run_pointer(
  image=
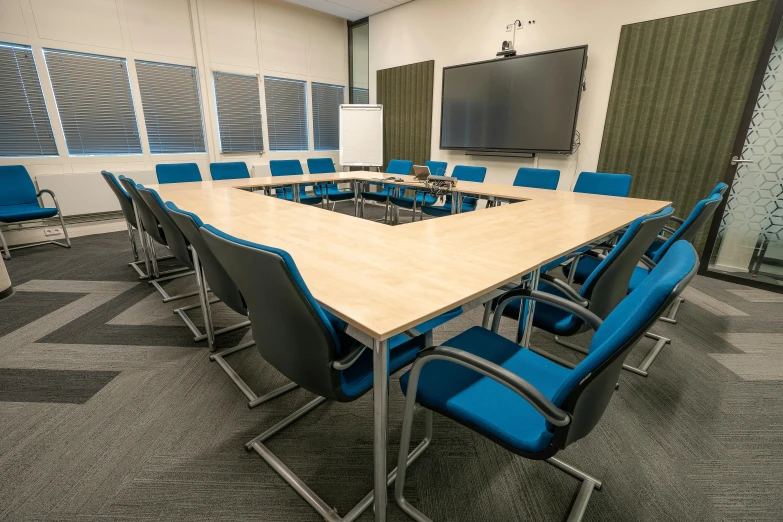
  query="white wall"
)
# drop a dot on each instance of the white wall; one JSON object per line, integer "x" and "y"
{"x": 263, "y": 37}
{"x": 460, "y": 31}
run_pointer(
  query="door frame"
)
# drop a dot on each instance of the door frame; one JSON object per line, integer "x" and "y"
{"x": 736, "y": 150}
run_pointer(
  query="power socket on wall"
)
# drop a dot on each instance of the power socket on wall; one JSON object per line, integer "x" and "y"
{"x": 53, "y": 231}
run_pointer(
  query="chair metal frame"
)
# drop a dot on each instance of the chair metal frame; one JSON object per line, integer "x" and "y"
{"x": 67, "y": 244}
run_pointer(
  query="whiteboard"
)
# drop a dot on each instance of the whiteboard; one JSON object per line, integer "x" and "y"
{"x": 361, "y": 135}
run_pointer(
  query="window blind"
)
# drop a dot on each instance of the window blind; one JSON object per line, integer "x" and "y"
{"x": 359, "y": 95}
{"x": 239, "y": 113}
{"x": 25, "y": 129}
{"x": 326, "y": 116}
{"x": 286, "y": 114}
{"x": 94, "y": 101}
{"x": 172, "y": 107}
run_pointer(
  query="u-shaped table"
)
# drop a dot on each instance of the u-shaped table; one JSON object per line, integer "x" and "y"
{"x": 384, "y": 280}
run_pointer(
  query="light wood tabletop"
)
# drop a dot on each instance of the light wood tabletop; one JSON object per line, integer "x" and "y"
{"x": 383, "y": 280}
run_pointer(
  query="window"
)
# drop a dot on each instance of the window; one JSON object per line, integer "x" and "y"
{"x": 326, "y": 116}
{"x": 239, "y": 113}
{"x": 25, "y": 129}
{"x": 172, "y": 108}
{"x": 360, "y": 95}
{"x": 286, "y": 114}
{"x": 94, "y": 101}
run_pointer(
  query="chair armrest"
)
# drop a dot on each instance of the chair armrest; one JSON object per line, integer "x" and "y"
{"x": 523, "y": 293}
{"x": 349, "y": 358}
{"x": 510, "y": 380}
{"x": 54, "y": 198}
{"x": 569, "y": 292}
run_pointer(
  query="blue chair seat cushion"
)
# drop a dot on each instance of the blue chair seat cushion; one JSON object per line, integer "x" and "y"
{"x": 357, "y": 379}
{"x": 547, "y": 317}
{"x": 654, "y": 248}
{"x": 482, "y": 403}
{"x": 588, "y": 264}
{"x": 445, "y": 210}
{"x": 381, "y": 195}
{"x": 407, "y": 202}
{"x": 25, "y": 212}
{"x": 333, "y": 191}
{"x": 303, "y": 198}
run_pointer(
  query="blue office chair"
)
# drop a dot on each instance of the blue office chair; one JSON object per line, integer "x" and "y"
{"x": 210, "y": 271}
{"x": 603, "y": 290}
{"x": 700, "y": 214}
{"x": 462, "y": 173}
{"x": 177, "y": 172}
{"x": 327, "y": 191}
{"x": 420, "y": 199}
{"x": 667, "y": 231}
{"x": 19, "y": 203}
{"x": 292, "y": 168}
{"x": 303, "y": 341}
{"x": 523, "y": 401}
{"x": 152, "y": 232}
{"x": 131, "y": 221}
{"x": 395, "y": 168}
{"x": 537, "y": 178}
{"x": 229, "y": 170}
{"x": 603, "y": 184}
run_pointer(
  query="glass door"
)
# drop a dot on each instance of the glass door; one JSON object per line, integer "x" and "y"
{"x": 745, "y": 243}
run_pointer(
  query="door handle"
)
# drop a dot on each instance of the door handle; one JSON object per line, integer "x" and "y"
{"x": 735, "y": 160}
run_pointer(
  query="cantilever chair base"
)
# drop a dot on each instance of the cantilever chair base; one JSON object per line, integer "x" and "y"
{"x": 7, "y": 249}
{"x": 253, "y": 399}
{"x": 670, "y": 317}
{"x": 327, "y": 512}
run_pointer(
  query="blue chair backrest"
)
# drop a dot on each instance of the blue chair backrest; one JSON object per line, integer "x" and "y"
{"x": 700, "y": 214}
{"x": 469, "y": 173}
{"x": 607, "y": 285}
{"x": 298, "y": 338}
{"x": 229, "y": 170}
{"x": 174, "y": 238}
{"x": 537, "y": 178}
{"x": 603, "y": 183}
{"x": 320, "y": 165}
{"x": 399, "y": 167}
{"x": 720, "y": 188}
{"x": 587, "y": 389}
{"x": 219, "y": 281}
{"x": 147, "y": 218}
{"x": 285, "y": 167}
{"x": 177, "y": 172}
{"x": 437, "y": 168}
{"x": 126, "y": 205}
{"x": 16, "y": 187}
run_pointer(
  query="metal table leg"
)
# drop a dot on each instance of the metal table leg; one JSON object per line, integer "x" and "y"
{"x": 530, "y": 308}
{"x": 295, "y": 192}
{"x": 455, "y": 203}
{"x": 380, "y": 424}
{"x": 355, "y": 185}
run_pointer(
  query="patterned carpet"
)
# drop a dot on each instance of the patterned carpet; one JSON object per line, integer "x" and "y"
{"x": 110, "y": 411}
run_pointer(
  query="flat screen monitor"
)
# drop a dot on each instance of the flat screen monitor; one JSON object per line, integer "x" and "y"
{"x": 525, "y": 103}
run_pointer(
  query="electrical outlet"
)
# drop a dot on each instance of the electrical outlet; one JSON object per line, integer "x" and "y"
{"x": 53, "y": 231}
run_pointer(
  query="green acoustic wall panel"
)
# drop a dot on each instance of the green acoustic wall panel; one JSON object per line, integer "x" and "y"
{"x": 680, "y": 85}
{"x": 406, "y": 95}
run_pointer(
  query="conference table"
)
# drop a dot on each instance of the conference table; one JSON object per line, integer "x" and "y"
{"x": 383, "y": 280}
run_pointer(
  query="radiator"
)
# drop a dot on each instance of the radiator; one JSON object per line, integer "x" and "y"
{"x": 88, "y": 192}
